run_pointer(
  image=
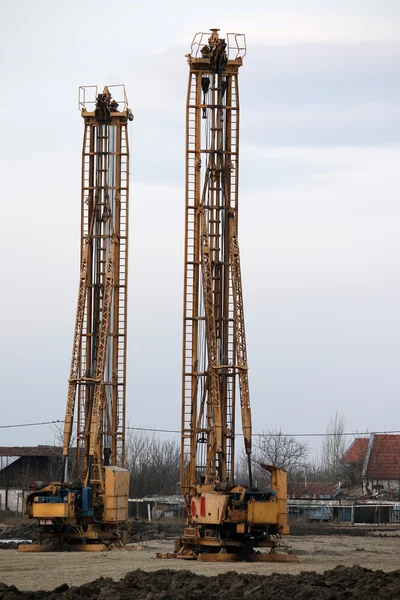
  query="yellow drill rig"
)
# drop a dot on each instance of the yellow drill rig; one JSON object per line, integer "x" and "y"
{"x": 225, "y": 521}
{"x": 88, "y": 508}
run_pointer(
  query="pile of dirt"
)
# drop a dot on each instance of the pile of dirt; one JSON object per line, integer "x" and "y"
{"x": 9, "y": 545}
{"x": 143, "y": 531}
{"x": 337, "y": 584}
{"x": 140, "y": 531}
{"x": 27, "y": 530}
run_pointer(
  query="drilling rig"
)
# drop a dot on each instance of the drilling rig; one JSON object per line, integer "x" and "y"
{"x": 88, "y": 508}
{"x": 225, "y": 521}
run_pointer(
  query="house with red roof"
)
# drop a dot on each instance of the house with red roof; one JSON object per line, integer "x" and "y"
{"x": 373, "y": 466}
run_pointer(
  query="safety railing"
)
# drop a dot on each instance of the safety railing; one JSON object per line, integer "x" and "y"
{"x": 235, "y": 42}
{"x": 88, "y": 97}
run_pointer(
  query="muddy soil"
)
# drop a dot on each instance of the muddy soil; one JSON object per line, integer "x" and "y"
{"x": 38, "y": 571}
{"x": 140, "y": 531}
{"x": 26, "y": 530}
{"x": 9, "y": 545}
{"x": 144, "y": 531}
{"x": 166, "y": 584}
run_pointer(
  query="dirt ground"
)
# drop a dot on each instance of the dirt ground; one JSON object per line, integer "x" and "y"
{"x": 337, "y": 584}
{"x": 45, "y": 571}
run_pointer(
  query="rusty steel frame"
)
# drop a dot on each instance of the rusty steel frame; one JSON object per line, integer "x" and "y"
{"x": 214, "y": 348}
{"x": 97, "y": 383}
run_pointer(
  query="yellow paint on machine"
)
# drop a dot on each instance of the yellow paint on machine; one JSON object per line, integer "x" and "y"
{"x": 209, "y": 508}
{"x": 52, "y": 510}
{"x": 116, "y": 495}
{"x": 262, "y": 513}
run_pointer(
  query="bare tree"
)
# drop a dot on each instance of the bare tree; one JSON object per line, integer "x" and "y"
{"x": 334, "y": 449}
{"x": 314, "y": 471}
{"x": 242, "y": 472}
{"x": 277, "y": 449}
{"x": 153, "y": 464}
{"x": 283, "y": 451}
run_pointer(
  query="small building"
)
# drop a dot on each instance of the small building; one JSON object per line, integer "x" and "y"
{"x": 157, "y": 507}
{"x": 314, "y": 490}
{"x": 20, "y": 465}
{"x": 316, "y": 501}
{"x": 373, "y": 466}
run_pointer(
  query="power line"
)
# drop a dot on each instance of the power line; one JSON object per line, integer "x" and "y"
{"x": 30, "y": 424}
{"x": 279, "y": 434}
{"x": 153, "y": 429}
{"x": 264, "y": 434}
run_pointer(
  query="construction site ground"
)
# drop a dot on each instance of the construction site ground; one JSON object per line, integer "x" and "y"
{"x": 46, "y": 571}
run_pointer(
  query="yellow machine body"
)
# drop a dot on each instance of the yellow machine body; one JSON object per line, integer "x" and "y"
{"x": 228, "y": 524}
{"x": 262, "y": 513}
{"x": 214, "y": 507}
{"x": 66, "y": 510}
{"x": 116, "y": 495}
{"x": 210, "y": 508}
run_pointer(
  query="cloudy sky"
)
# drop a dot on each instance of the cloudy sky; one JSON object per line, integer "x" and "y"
{"x": 319, "y": 203}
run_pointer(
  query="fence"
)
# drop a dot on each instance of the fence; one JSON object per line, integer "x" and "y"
{"x": 335, "y": 512}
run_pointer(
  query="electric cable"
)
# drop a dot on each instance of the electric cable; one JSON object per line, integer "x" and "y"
{"x": 263, "y": 434}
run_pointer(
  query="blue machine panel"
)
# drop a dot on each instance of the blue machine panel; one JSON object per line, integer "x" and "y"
{"x": 87, "y": 502}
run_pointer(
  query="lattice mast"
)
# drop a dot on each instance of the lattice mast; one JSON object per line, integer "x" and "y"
{"x": 214, "y": 345}
{"x": 97, "y": 383}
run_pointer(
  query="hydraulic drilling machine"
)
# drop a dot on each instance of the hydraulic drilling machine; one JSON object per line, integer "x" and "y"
{"x": 88, "y": 508}
{"x": 225, "y": 521}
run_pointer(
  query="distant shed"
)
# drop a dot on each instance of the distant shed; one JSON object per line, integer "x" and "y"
{"x": 314, "y": 490}
{"x": 20, "y": 465}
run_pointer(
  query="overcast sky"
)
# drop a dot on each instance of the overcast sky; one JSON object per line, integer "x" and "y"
{"x": 319, "y": 203}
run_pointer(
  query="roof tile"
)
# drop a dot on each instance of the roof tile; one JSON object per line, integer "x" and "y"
{"x": 313, "y": 489}
{"x": 384, "y": 462}
{"x": 357, "y": 450}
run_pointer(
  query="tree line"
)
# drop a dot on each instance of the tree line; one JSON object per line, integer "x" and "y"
{"x": 286, "y": 452}
{"x": 154, "y": 463}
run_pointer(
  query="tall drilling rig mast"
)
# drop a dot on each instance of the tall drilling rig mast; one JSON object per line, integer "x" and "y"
{"x": 221, "y": 516}
{"x": 97, "y": 383}
{"x": 213, "y": 305}
{"x": 91, "y": 502}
